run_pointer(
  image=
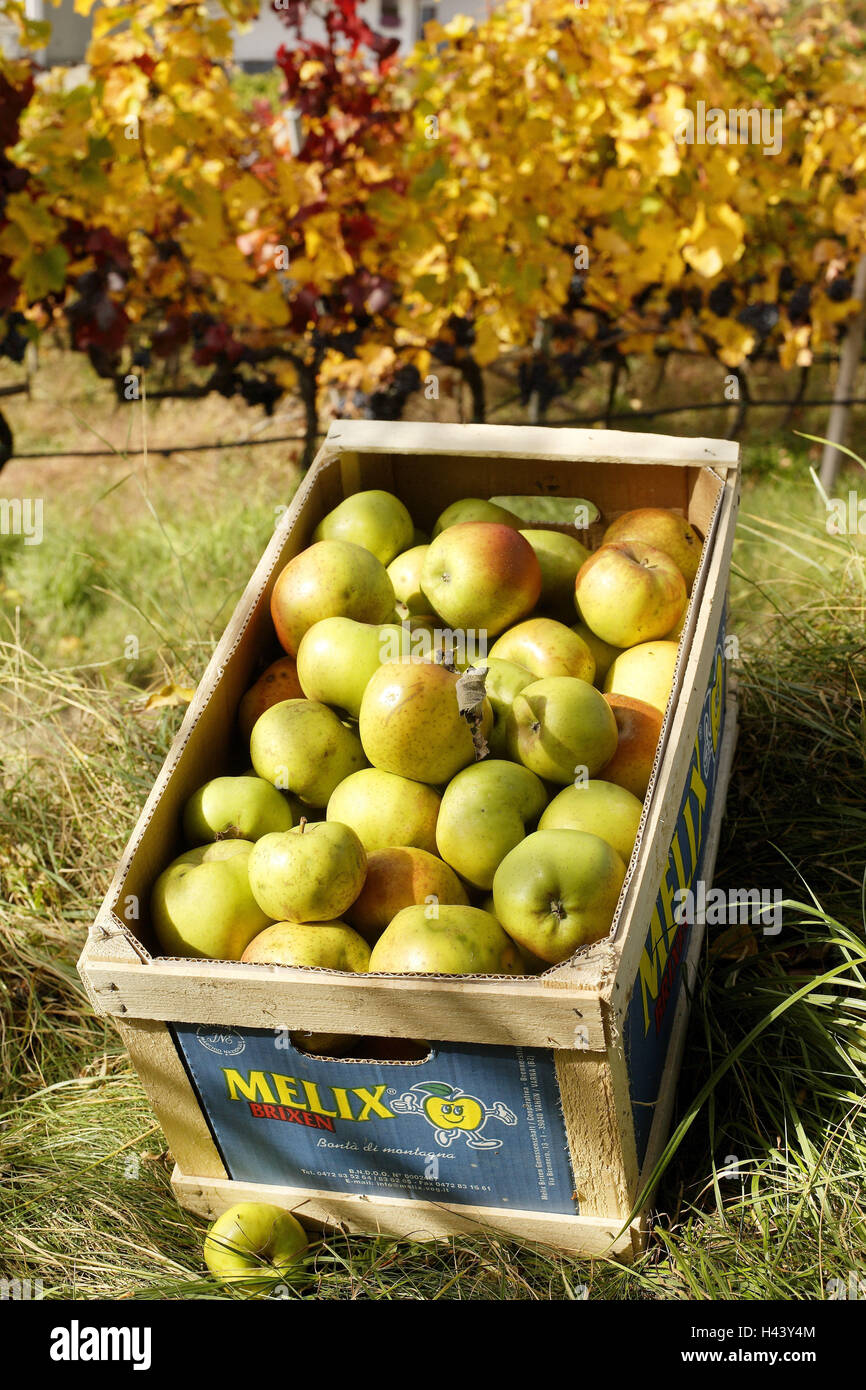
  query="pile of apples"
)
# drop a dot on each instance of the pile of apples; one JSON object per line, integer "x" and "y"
{"x": 414, "y": 805}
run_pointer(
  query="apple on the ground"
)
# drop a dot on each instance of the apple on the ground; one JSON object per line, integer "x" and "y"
{"x": 546, "y": 648}
{"x": 639, "y": 726}
{"x": 602, "y": 808}
{"x": 337, "y": 657}
{"x": 664, "y": 529}
{"x": 644, "y": 672}
{"x": 312, "y": 873}
{"x": 560, "y": 557}
{"x": 331, "y": 579}
{"x": 279, "y": 682}
{"x": 411, "y": 724}
{"x": 203, "y": 904}
{"x": 486, "y": 810}
{"x": 253, "y": 1245}
{"x": 629, "y": 592}
{"x": 326, "y": 945}
{"x": 558, "y": 890}
{"x": 398, "y": 878}
{"x": 302, "y": 746}
{"x": 234, "y": 808}
{"x": 446, "y": 940}
{"x": 386, "y": 810}
{"x": 374, "y": 519}
{"x": 561, "y": 727}
{"x": 481, "y": 575}
{"x": 474, "y": 509}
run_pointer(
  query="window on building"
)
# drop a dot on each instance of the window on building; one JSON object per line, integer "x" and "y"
{"x": 426, "y": 13}
{"x": 389, "y": 14}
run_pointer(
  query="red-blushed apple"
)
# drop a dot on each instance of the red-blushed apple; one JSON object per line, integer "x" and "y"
{"x": 445, "y": 940}
{"x": 398, "y": 878}
{"x": 474, "y": 509}
{"x": 309, "y": 874}
{"x": 385, "y": 810}
{"x": 331, "y": 579}
{"x": 326, "y": 945}
{"x": 546, "y": 648}
{"x": 644, "y": 672}
{"x": 628, "y": 592}
{"x": 602, "y": 808}
{"x": 202, "y": 905}
{"x": 639, "y": 726}
{"x": 664, "y": 529}
{"x": 279, "y": 682}
{"x": 374, "y": 519}
{"x": 560, "y": 557}
{"x": 558, "y": 890}
{"x": 486, "y": 810}
{"x": 481, "y": 575}
{"x": 561, "y": 728}
{"x": 411, "y": 723}
{"x": 252, "y": 1246}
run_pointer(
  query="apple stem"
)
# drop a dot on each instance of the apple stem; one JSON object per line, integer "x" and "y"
{"x": 302, "y": 824}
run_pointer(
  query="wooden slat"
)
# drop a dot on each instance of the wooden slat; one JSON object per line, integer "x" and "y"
{"x": 527, "y": 441}
{"x": 170, "y": 1092}
{"x": 605, "y": 1168}
{"x": 394, "y": 1216}
{"x": 504, "y": 1013}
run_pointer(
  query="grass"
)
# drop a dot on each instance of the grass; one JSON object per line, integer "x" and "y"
{"x": 762, "y": 1196}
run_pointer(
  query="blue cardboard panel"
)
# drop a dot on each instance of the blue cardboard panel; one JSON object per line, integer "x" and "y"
{"x": 478, "y": 1126}
{"x": 650, "y": 1015}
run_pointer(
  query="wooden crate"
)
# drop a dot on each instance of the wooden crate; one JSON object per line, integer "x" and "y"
{"x": 584, "y": 1058}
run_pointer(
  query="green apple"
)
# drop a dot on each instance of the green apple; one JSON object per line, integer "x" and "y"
{"x": 629, "y": 592}
{"x": 405, "y": 574}
{"x": 325, "y": 945}
{"x": 561, "y": 727}
{"x": 385, "y": 810}
{"x": 337, "y": 657}
{"x": 551, "y": 511}
{"x": 474, "y": 509}
{"x": 605, "y": 655}
{"x": 252, "y": 1246}
{"x": 400, "y": 877}
{"x": 482, "y": 576}
{"x": 445, "y": 940}
{"x": 485, "y": 812}
{"x": 203, "y": 905}
{"x": 302, "y": 747}
{"x": 331, "y": 579}
{"x": 376, "y": 520}
{"x": 558, "y": 890}
{"x": 560, "y": 557}
{"x": 645, "y": 672}
{"x": 235, "y": 808}
{"x": 411, "y": 724}
{"x": 602, "y": 808}
{"x": 546, "y": 648}
{"x": 309, "y": 874}
{"x": 532, "y": 965}
{"x": 504, "y": 680}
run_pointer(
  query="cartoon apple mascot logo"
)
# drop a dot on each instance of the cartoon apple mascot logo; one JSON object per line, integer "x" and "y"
{"x": 451, "y": 1113}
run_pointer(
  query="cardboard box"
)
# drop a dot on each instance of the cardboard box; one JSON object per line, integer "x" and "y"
{"x": 565, "y": 1081}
